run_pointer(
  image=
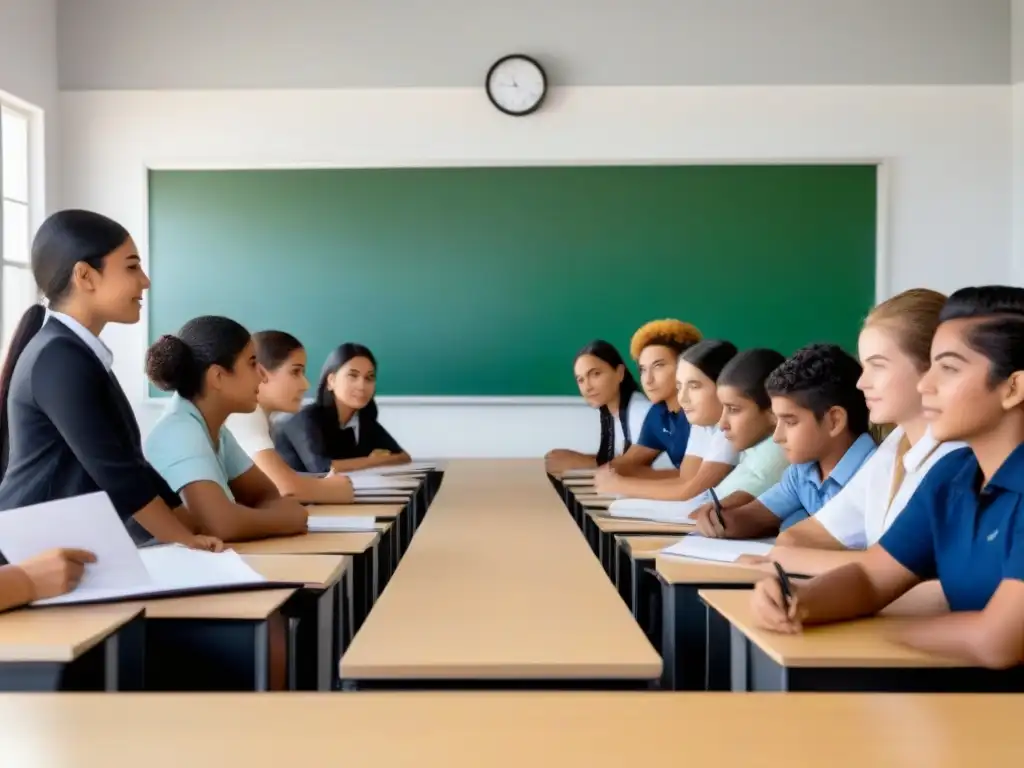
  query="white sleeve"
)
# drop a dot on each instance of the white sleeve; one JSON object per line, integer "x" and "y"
{"x": 251, "y": 431}
{"x": 843, "y": 515}
{"x": 698, "y": 443}
{"x": 638, "y": 408}
{"x": 719, "y": 450}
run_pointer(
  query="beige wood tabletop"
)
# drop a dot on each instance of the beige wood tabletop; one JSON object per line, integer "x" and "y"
{"x": 59, "y": 633}
{"x": 645, "y": 547}
{"x": 607, "y": 524}
{"x": 250, "y": 605}
{"x": 498, "y": 583}
{"x": 387, "y": 511}
{"x": 860, "y": 643}
{"x": 347, "y": 543}
{"x": 315, "y": 571}
{"x": 580, "y": 484}
{"x": 511, "y": 729}
{"x": 684, "y": 570}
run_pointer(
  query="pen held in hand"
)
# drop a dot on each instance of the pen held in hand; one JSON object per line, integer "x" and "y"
{"x": 787, "y": 590}
{"x": 718, "y": 507}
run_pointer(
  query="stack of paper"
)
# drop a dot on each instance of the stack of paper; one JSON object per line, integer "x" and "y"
{"x": 121, "y": 570}
{"x": 657, "y": 511}
{"x": 719, "y": 550}
{"x": 338, "y": 523}
{"x": 375, "y": 482}
{"x": 412, "y": 468}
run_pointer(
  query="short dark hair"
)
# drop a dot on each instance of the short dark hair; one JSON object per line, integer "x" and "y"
{"x": 274, "y": 347}
{"x": 999, "y": 334}
{"x": 178, "y": 363}
{"x": 819, "y": 377}
{"x": 710, "y": 356}
{"x": 748, "y": 371}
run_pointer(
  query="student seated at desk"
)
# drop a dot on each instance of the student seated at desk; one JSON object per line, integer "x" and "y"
{"x": 340, "y": 431}
{"x": 606, "y": 384}
{"x": 211, "y": 368}
{"x": 282, "y": 361}
{"x": 48, "y": 574}
{"x": 66, "y": 427}
{"x": 822, "y": 424}
{"x": 895, "y": 350}
{"x": 656, "y": 348}
{"x": 965, "y": 523}
{"x": 709, "y": 455}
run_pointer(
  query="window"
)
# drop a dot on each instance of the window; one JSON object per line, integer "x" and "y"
{"x": 17, "y": 287}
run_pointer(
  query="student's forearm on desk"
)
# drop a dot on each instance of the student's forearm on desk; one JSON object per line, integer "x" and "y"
{"x": 369, "y": 462}
{"x": 855, "y": 590}
{"x": 749, "y": 521}
{"x": 165, "y": 524}
{"x": 15, "y": 587}
{"x": 811, "y": 562}
{"x": 672, "y": 488}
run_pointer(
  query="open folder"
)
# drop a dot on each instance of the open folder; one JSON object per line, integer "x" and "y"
{"x": 121, "y": 571}
{"x": 718, "y": 550}
{"x": 657, "y": 511}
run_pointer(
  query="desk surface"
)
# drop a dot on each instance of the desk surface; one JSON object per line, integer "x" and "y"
{"x": 861, "y": 643}
{"x": 384, "y": 511}
{"x": 680, "y": 570}
{"x": 607, "y": 524}
{"x": 646, "y": 547}
{"x": 502, "y": 730}
{"x": 60, "y": 633}
{"x": 349, "y": 543}
{"x": 498, "y": 583}
{"x": 315, "y": 571}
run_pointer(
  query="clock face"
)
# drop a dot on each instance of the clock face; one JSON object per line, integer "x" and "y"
{"x": 516, "y": 85}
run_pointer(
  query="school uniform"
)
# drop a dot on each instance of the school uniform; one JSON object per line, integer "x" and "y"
{"x": 802, "y": 492}
{"x": 181, "y": 449}
{"x": 635, "y": 413}
{"x": 710, "y": 444}
{"x": 760, "y": 467}
{"x": 968, "y": 537}
{"x": 307, "y": 447}
{"x": 72, "y": 430}
{"x": 252, "y": 431}
{"x": 859, "y": 514}
{"x": 665, "y": 432}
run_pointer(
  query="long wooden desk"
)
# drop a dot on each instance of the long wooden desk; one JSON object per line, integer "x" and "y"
{"x": 75, "y": 647}
{"x": 503, "y": 729}
{"x": 498, "y": 586}
{"x": 847, "y": 656}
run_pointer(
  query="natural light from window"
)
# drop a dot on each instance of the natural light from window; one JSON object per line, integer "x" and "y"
{"x": 17, "y": 288}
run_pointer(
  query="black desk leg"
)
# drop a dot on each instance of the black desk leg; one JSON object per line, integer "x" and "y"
{"x": 624, "y": 574}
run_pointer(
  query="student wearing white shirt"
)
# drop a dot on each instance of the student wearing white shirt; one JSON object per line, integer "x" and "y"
{"x": 895, "y": 351}
{"x": 607, "y": 385}
{"x": 282, "y": 361}
{"x": 709, "y": 455}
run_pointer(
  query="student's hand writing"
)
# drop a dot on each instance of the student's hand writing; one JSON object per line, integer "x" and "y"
{"x": 205, "y": 543}
{"x": 768, "y": 607}
{"x": 56, "y": 571}
{"x": 707, "y": 522}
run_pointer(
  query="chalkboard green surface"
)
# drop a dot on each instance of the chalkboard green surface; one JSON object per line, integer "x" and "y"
{"x": 486, "y": 281}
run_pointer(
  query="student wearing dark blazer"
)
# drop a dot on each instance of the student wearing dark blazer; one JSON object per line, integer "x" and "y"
{"x": 66, "y": 427}
{"x": 340, "y": 431}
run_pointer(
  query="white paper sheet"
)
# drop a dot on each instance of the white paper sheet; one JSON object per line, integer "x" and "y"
{"x": 658, "y": 511}
{"x": 412, "y": 468}
{"x": 371, "y": 482}
{"x": 364, "y": 494}
{"x": 719, "y": 550}
{"x": 336, "y": 523}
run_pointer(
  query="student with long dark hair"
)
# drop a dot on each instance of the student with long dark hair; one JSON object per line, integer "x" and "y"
{"x": 963, "y": 525}
{"x": 608, "y": 385}
{"x": 282, "y": 361}
{"x": 65, "y": 424}
{"x": 210, "y": 366}
{"x": 340, "y": 431}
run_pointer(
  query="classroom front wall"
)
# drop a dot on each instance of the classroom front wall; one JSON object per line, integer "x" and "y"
{"x": 946, "y": 201}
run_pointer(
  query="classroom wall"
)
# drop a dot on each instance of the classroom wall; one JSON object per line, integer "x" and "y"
{"x": 936, "y": 106}
{"x": 28, "y": 71}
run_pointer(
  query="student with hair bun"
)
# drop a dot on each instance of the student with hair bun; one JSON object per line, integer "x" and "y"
{"x": 66, "y": 427}
{"x": 964, "y": 525}
{"x": 656, "y": 347}
{"x": 282, "y": 362}
{"x": 606, "y": 384}
{"x": 709, "y": 456}
{"x": 211, "y": 367}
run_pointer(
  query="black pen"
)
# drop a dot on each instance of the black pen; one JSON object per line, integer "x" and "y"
{"x": 787, "y": 590}
{"x": 718, "y": 507}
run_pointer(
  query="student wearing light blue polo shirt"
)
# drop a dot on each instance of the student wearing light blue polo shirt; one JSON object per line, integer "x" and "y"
{"x": 965, "y": 523}
{"x": 822, "y": 426}
{"x": 210, "y": 366}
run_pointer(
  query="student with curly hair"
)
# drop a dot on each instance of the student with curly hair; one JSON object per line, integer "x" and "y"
{"x": 822, "y": 426}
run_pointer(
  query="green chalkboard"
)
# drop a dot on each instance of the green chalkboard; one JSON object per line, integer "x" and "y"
{"x": 486, "y": 281}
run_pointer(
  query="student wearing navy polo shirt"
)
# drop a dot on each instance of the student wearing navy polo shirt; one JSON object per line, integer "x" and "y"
{"x": 822, "y": 426}
{"x": 656, "y": 348}
{"x": 965, "y": 524}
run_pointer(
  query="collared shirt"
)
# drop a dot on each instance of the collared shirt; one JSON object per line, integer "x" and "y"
{"x": 859, "y": 514}
{"x": 760, "y": 467}
{"x": 93, "y": 342}
{"x": 353, "y": 424}
{"x": 666, "y": 432}
{"x": 802, "y": 492}
{"x": 180, "y": 448}
{"x": 970, "y": 538}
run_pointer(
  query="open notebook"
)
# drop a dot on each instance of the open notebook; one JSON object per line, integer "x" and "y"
{"x": 718, "y": 550}
{"x": 121, "y": 570}
{"x": 658, "y": 511}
